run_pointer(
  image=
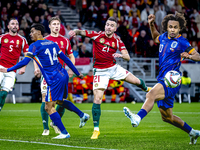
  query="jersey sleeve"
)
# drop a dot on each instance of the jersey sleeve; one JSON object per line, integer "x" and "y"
{"x": 25, "y": 45}
{"x": 92, "y": 34}
{"x": 120, "y": 45}
{"x": 187, "y": 47}
{"x": 68, "y": 48}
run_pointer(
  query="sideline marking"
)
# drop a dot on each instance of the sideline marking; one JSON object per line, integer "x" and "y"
{"x": 54, "y": 144}
{"x": 119, "y": 111}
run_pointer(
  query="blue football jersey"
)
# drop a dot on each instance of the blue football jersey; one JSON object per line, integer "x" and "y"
{"x": 169, "y": 53}
{"x": 45, "y": 53}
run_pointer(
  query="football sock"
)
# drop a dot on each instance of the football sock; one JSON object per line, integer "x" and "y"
{"x": 3, "y": 95}
{"x": 186, "y": 127}
{"x": 96, "y": 113}
{"x": 142, "y": 85}
{"x": 70, "y": 106}
{"x": 142, "y": 113}
{"x": 61, "y": 110}
{"x": 45, "y": 116}
{"x": 55, "y": 117}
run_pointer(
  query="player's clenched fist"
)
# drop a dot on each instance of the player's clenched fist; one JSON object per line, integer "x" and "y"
{"x": 72, "y": 33}
{"x": 151, "y": 19}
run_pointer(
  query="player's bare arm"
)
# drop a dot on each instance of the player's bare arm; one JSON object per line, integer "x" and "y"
{"x": 193, "y": 56}
{"x": 77, "y": 32}
{"x": 154, "y": 32}
{"x": 124, "y": 54}
{"x": 72, "y": 58}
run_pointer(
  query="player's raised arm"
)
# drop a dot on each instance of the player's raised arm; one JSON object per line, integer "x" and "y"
{"x": 77, "y": 32}
{"x": 154, "y": 32}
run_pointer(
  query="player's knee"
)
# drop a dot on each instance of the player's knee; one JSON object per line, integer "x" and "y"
{"x": 167, "y": 119}
{"x": 150, "y": 95}
{"x": 97, "y": 100}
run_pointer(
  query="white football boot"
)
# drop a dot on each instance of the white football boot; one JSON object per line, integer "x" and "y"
{"x": 56, "y": 129}
{"x": 45, "y": 132}
{"x": 135, "y": 119}
{"x": 83, "y": 120}
{"x": 193, "y": 136}
{"x": 62, "y": 136}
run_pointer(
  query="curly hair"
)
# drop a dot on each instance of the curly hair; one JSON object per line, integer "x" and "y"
{"x": 177, "y": 17}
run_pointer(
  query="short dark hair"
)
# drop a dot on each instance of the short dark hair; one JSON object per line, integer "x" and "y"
{"x": 54, "y": 18}
{"x": 38, "y": 26}
{"x": 177, "y": 17}
{"x": 112, "y": 19}
{"x": 12, "y": 19}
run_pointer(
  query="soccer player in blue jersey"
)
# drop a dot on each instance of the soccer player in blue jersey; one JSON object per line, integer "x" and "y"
{"x": 45, "y": 53}
{"x": 173, "y": 47}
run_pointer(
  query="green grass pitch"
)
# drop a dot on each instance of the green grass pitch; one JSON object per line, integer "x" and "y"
{"x": 22, "y": 123}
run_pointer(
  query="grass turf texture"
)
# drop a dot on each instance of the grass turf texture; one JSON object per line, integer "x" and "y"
{"x": 23, "y": 122}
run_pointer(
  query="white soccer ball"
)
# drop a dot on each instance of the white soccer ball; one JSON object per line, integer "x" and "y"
{"x": 172, "y": 79}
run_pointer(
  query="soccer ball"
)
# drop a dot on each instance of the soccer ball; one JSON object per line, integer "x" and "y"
{"x": 172, "y": 79}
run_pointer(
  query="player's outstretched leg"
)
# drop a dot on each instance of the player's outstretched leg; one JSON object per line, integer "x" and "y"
{"x": 96, "y": 112}
{"x": 61, "y": 110}
{"x": 83, "y": 116}
{"x": 3, "y": 95}
{"x": 135, "y": 119}
{"x": 55, "y": 117}
{"x": 45, "y": 118}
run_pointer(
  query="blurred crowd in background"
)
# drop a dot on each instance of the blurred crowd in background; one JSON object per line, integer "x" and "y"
{"x": 131, "y": 15}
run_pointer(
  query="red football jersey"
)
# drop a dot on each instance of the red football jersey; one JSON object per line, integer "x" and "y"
{"x": 11, "y": 47}
{"x": 63, "y": 43}
{"x": 103, "y": 48}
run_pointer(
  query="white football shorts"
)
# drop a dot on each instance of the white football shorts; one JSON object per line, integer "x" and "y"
{"x": 102, "y": 76}
{"x": 7, "y": 80}
{"x": 43, "y": 85}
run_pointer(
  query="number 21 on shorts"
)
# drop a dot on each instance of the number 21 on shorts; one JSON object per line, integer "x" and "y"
{"x": 96, "y": 79}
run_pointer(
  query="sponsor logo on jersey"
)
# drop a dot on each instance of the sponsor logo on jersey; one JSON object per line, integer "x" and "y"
{"x": 174, "y": 44}
{"x": 107, "y": 43}
{"x": 113, "y": 44}
{"x": 17, "y": 42}
{"x": 6, "y": 41}
{"x": 12, "y": 41}
{"x": 101, "y": 40}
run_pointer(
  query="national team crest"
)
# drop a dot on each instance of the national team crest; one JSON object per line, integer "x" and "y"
{"x": 113, "y": 44}
{"x": 174, "y": 44}
{"x": 17, "y": 42}
{"x": 44, "y": 87}
{"x": 101, "y": 40}
{"x": 6, "y": 41}
{"x": 96, "y": 84}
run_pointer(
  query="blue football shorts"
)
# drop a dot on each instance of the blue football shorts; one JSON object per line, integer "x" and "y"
{"x": 58, "y": 90}
{"x": 168, "y": 101}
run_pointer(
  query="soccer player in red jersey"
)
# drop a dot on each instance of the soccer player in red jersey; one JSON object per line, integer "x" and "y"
{"x": 105, "y": 45}
{"x": 11, "y": 45}
{"x": 65, "y": 46}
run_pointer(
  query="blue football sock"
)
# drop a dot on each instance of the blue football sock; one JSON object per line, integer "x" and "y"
{"x": 55, "y": 117}
{"x": 70, "y": 106}
{"x": 187, "y": 128}
{"x": 142, "y": 113}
